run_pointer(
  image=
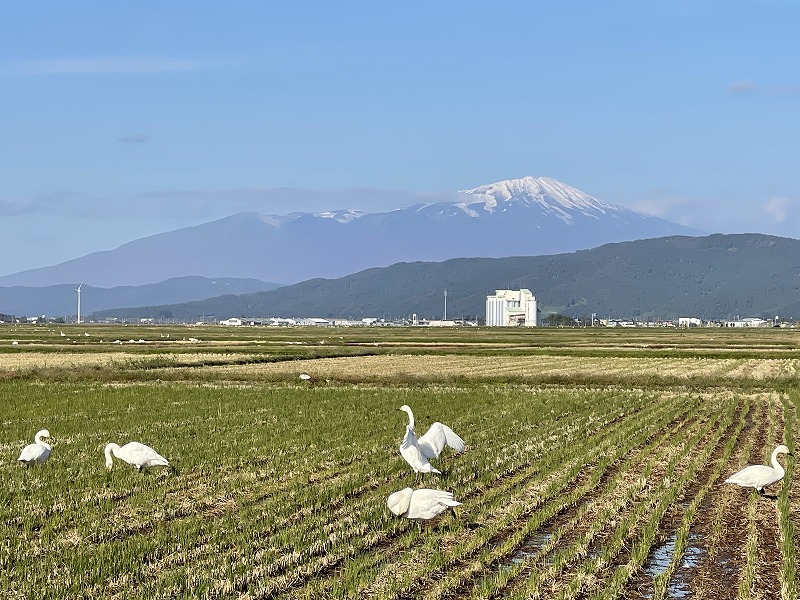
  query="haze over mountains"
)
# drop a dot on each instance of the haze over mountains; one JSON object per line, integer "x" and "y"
{"x": 61, "y": 300}
{"x": 520, "y": 217}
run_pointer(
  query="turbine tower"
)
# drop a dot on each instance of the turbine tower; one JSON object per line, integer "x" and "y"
{"x": 79, "y": 302}
{"x": 445, "y": 306}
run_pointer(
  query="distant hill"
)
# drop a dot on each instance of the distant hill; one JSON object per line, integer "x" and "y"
{"x": 519, "y": 217}
{"x": 717, "y": 276}
{"x": 61, "y": 300}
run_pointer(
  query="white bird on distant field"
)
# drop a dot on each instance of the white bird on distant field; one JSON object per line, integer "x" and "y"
{"x": 304, "y": 376}
{"x": 36, "y": 453}
{"x": 421, "y": 504}
{"x": 761, "y": 476}
{"x": 418, "y": 452}
{"x": 136, "y": 454}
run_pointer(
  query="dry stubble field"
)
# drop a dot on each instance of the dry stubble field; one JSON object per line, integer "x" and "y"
{"x": 593, "y": 469}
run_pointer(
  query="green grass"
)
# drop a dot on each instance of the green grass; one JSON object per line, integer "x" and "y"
{"x": 281, "y": 487}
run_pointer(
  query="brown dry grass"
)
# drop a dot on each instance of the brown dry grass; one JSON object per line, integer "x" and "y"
{"x": 481, "y": 367}
{"x": 59, "y": 360}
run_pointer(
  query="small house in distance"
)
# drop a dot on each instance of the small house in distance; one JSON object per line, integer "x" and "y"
{"x": 511, "y": 308}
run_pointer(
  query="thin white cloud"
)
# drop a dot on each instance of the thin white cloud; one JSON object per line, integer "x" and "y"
{"x": 198, "y": 205}
{"x": 136, "y": 138}
{"x": 778, "y": 208}
{"x": 789, "y": 90}
{"x": 742, "y": 86}
{"x": 746, "y": 86}
{"x": 283, "y": 201}
{"x": 70, "y": 204}
{"x": 10, "y": 208}
{"x": 663, "y": 207}
{"x": 110, "y": 64}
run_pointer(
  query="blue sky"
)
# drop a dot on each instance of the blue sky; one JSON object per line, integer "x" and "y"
{"x": 121, "y": 120}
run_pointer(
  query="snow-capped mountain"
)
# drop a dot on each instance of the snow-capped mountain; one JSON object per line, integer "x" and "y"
{"x": 518, "y": 217}
{"x": 549, "y": 195}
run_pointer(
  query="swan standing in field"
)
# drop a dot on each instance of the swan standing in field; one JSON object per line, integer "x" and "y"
{"x": 418, "y": 451}
{"x": 421, "y": 504}
{"x": 409, "y": 450}
{"x": 136, "y": 454}
{"x": 761, "y": 476}
{"x": 38, "y": 452}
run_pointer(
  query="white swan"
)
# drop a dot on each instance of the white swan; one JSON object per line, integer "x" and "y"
{"x": 418, "y": 452}
{"x": 136, "y": 454}
{"x": 409, "y": 450}
{"x": 421, "y": 504}
{"x": 38, "y": 452}
{"x": 761, "y": 476}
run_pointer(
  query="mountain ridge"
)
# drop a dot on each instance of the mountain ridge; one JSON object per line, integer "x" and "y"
{"x": 720, "y": 276}
{"x": 528, "y": 216}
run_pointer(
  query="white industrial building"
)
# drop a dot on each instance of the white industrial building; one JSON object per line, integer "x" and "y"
{"x": 511, "y": 308}
{"x": 689, "y": 322}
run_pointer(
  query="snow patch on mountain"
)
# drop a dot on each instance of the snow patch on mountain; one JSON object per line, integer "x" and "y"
{"x": 343, "y": 216}
{"x": 552, "y": 196}
{"x": 274, "y": 220}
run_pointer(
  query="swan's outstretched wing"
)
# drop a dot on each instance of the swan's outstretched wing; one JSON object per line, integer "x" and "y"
{"x": 141, "y": 455}
{"x": 436, "y": 438}
{"x": 409, "y": 449}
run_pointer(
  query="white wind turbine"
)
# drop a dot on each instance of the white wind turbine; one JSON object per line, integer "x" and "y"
{"x": 79, "y": 302}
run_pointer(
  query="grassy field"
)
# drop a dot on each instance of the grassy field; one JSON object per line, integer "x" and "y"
{"x": 593, "y": 469}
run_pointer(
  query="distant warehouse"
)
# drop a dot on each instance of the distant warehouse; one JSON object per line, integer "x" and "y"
{"x": 511, "y": 308}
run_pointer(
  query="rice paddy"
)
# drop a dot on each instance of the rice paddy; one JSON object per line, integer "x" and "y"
{"x": 593, "y": 469}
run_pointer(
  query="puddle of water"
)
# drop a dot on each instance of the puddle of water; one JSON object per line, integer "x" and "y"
{"x": 679, "y": 583}
{"x": 530, "y": 547}
{"x": 679, "y": 590}
{"x": 691, "y": 557}
{"x": 659, "y": 557}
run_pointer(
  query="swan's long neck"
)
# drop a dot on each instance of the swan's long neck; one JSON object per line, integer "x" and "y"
{"x": 110, "y": 448}
{"x": 40, "y": 440}
{"x": 410, "y": 417}
{"x": 775, "y": 464}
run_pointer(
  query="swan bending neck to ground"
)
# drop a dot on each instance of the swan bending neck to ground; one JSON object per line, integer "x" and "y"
{"x": 136, "y": 454}
{"x": 38, "y": 452}
{"x": 421, "y": 504}
{"x": 761, "y": 476}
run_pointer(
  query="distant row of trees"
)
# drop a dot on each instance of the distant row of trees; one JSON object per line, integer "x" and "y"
{"x": 559, "y": 320}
